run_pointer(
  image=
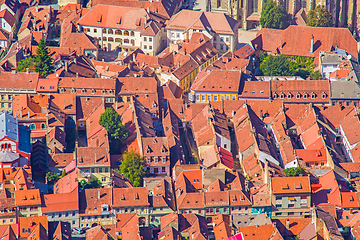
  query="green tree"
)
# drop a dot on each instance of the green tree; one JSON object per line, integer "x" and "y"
{"x": 63, "y": 174}
{"x": 275, "y": 66}
{"x": 294, "y": 171}
{"x": 274, "y": 16}
{"x": 27, "y": 63}
{"x": 44, "y": 63}
{"x": 117, "y": 132}
{"x": 92, "y": 183}
{"x": 319, "y": 17}
{"x": 132, "y": 167}
{"x": 52, "y": 178}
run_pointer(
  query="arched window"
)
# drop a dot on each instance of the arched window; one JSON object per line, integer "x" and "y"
{"x": 132, "y": 33}
{"x": 9, "y": 146}
{"x": 104, "y": 38}
{"x": 110, "y": 39}
{"x": 110, "y": 31}
{"x": 2, "y": 146}
{"x": 119, "y": 40}
{"x": 132, "y": 42}
{"x": 42, "y": 125}
{"x": 118, "y": 32}
{"x": 126, "y": 40}
{"x": 32, "y": 126}
{"x": 126, "y": 33}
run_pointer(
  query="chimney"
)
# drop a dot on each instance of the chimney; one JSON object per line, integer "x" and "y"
{"x": 28, "y": 114}
{"x": 287, "y": 223}
{"x": 66, "y": 66}
{"x": 20, "y": 113}
{"x": 95, "y": 157}
{"x": 64, "y": 104}
{"x": 27, "y": 70}
{"x": 312, "y": 44}
{"x": 75, "y": 60}
{"x": 266, "y": 180}
{"x": 98, "y": 193}
{"x": 77, "y": 74}
{"x": 134, "y": 58}
{"x": 145, "y": 19}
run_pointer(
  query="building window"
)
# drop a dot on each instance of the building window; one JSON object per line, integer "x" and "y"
{"x": 150, "y": 39}
{"x": 203, "y": 97}
{"x": 103, "y": 179}
{"x": 95, "y": 30}
{"x": 3, "y": 105}
{"x": 150, "y": 47}
{"x": 145, "y": 39}
{"x": 119, "y": 40}
{"x": 100, "y": 170}
{"x": 209, "y": 97}
{"x": 110, "y": 39}
{"x": 32, "y": 126}
{"x": 216, "y": 97}
{"x": 163, "y": 169}
{"x": 126, "y": 33}
{"x": 198, "y": 97}
{"x": 110, "y": 31}
{"x": 132, "y": 33}
{"x": 118, "y": 32}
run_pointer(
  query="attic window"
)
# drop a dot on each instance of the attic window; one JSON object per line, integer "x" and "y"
{"x": 163, "y": 159}
{"x": 148, "y": 160}
{"x": 156, "y": 160}
{"x": 99, "y": 18}
{"x": 119, "y": 21}
{"x": 83, "y": 90}
{"x": 313, "y": 95}
{"x": 282, "y": 96}
{"x": 298, "y": 186}
{"x": 286, "y": 186}
{"x": 323, "y": 95}
{"x": 138, "y": 22}
{"x": 298, "y": 95}
{"x": 62, "y": 90}
{"x": 73, "y": 90}
{"x": 289, "y": 95}
{"x": 103, "y": 91}
{"x": 274, "y": 96}
{"x": 92, "y": 90}
{"x": 305, "y": 95}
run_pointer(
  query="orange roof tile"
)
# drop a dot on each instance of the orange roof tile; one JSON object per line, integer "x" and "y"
{"x": 290, "y": 185}
{"x": 130, "y": 197}
{"x": 61, "y": 202}
{"x": 257, "y": 232}
{"x": 28, "y": 197}
{"x": 30, "y": 223}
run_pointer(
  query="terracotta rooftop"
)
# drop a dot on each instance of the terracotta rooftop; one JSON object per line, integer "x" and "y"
{"x": 290, "y": 185}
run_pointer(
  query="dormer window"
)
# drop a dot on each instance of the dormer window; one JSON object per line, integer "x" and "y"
{"x": 289, "y": 95}
{"x": 298, "y": 95}
{"x": 163, "y": 149}
{"x": 274, "y": 96}
{"x": 154, "y": 105}
{"x": 103, "y": 91}
{"x": 156, "y": 160}
{"x": 73, "y": 90}
{"x": 62, "y": 90}
{"x": 282, "y": 96}
{"x": 323, "y": 95}
{"x": 313, "y": 95}
{"x": 164, "y": 160}
{"x": 83, "y": 90}
{"x": 92, "y": 90}
{"x": 305, "y": 95}
{"x": 148, "y": 160}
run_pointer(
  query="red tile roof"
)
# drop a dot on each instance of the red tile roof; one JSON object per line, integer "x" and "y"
{"x": 28, "y": 197}
{"x": 8, "y": 17}
{"x": 286, "y": 185}
{"x": 351, "y": 127}
{"x": 287, "y": 41}
{"x": 210, "y": 82}
{"x": 130, "y": 197}
{"x": 258, "y": 232}
{"x": 26, "y": 223}
{"x": 61, "y": 202}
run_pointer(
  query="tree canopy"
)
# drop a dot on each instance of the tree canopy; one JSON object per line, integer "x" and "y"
{"x": 275, "y": 66}
{"x": 132, "y": 167}
{"x": 52, "y": 178}
{"x": 319, "y": 17}
{"x": 27, "y": 63}
{"x": 294, "y": 171}
{"x": 283, "y": 65}
{"x": 44, "y": 63}
{"x": 118, "y": 133}
{"x": 274, "y": 16}
{"x": 92, "y": 183}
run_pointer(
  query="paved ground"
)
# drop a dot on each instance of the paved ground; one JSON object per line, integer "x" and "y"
{"x": 246, "y": 36}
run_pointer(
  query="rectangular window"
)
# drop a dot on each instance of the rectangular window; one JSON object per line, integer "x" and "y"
{"x": 95, "y": 30}
{"x": 100, "y": 170}
{"x": 203, "y": 97}
{"x": 227, "y": 39}
{"x": 198, "y": 97}
{"x": 103, "y": 179}
{"x": 145, "y": 39}
{"x": 106, "y": 170}
{"x": 209, "y": 97}
{"x": 216, "y": 97}
{"x": 150, "y": 39}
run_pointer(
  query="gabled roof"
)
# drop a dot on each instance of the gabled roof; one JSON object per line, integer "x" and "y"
{"x": 287, "y": 41}
{"x": 218, "y": 23}
{"x": 130, "y": 197}
{"x": 61, "y": 202}
{"x": 210, "y": 82}
{"x": 8, "y": 17}
{"x": 28, "y": 197}
{"x": 290, "y": 185}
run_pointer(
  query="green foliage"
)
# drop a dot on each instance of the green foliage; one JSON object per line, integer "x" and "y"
{"x": 27, "y": 63}
{"x": 283, "y": 65}
{"x": 132, "y": 167}
{"x": 294, "y": 171}
{"x": 52, "y": 178}
{"x": 274, "y": 16}
{"x": 63, "y": 174}
{"x": 275, "y": 66}
{"x": 44, "y": 63}
{"x": 262, "y": 56}
{"x": 118, "y": 133}
{"x": 320, "y": 17}
{"x": 92, "y": 183}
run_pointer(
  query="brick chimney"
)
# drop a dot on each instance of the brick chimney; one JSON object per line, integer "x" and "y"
{"x": 312, "y": 44}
